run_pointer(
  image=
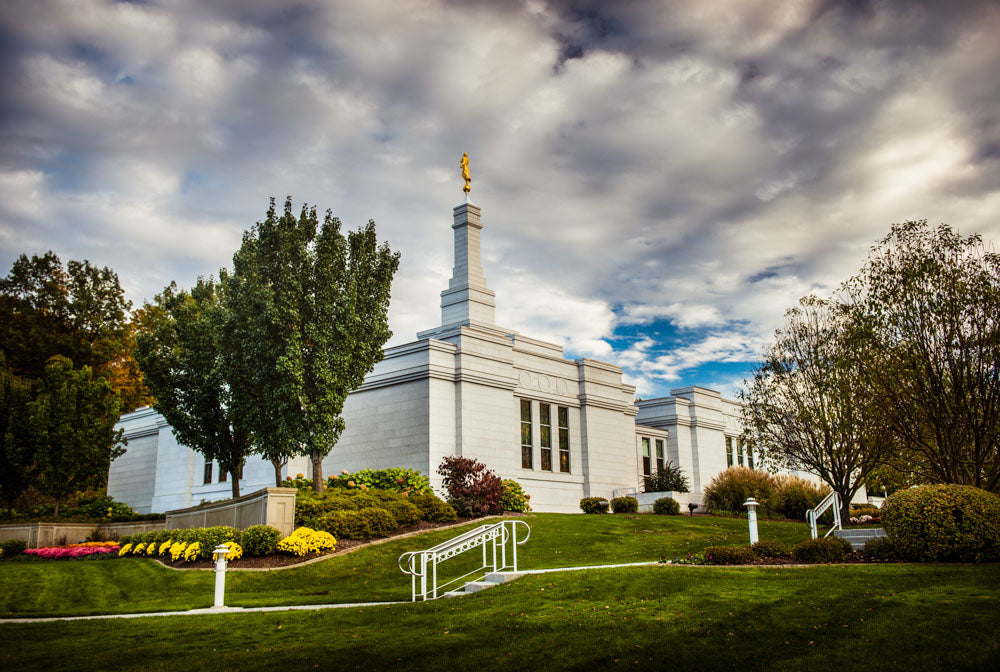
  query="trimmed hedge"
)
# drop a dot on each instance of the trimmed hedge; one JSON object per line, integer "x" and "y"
{"x": 12, "y": 547}
{"x": 514, "y": 498}
{"x": 590, "y": 504}
{"x": 208, "y": 538}
{"x": 624, "y": 505}
{"x": 881, "y": 549}
{"x": 828, "y": 549}
{"x": 944, "y": 522}
{"x": 729, "y": 555}
{"x": 769, "y": 548}
{"x": 364, "y": 524}
{"x": 666, "y": 506}
{"x": 260, "y": 540}
{"x": 434, "y": 510}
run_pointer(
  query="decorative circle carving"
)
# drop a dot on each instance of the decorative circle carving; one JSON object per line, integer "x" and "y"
{"x": 561, "y": 387}
{"x": 525, "y": 379}
{"x": 543, "y": 383}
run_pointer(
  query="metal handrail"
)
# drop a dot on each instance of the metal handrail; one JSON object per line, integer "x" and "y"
{"x": 422, "y": 565}
{"x": 812, "y": 515}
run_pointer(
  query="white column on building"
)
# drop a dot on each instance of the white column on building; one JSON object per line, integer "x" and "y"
{"x": 467, "y": 301}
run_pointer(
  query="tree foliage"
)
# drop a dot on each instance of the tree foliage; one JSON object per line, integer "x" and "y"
{"x": 927, "y": 305}
{"x": 17, "y": 454}
{"x": 308, "y": 319}
{"x": 807, "y": 405}
{"x": 72, "y": 428}
{"x": 79, "y": 312}
{"x": 181, "y": 353}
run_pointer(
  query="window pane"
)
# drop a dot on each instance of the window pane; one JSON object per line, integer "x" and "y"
{"x": 544, "y": 411}
{"x": 545, "y": 434}
{"x": 739, "y": 452}
{"x": 659, "y": 449}
{"x": 645, "y": 447}
{"x": 526, "y": 438}
{"x": 564, "y": 461}
{"x": 525, "y": 410}
{"x": 645, "y": 465}
{"x": 729, "y": 451}
{"x": 526, "y": 457}
{"x": 563, "y": 439}
{"x": 525, "y": 433}
{"x": 208, "y": 473}
{"x": 563, "y": 417}
{"x": 547, "y": 459}
{"x": 223, "y": 475}
{"x": 545, "y": 426}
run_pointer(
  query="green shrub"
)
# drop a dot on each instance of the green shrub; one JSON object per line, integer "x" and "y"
{"x": 514, "y": 498}
{"x": 12, "y": 547}
{"x": 259, "y": 540}
{"x": 730, "y": 488}
{"x": 208, "y": 538}
{"x": 667, "y": 506}
{"x": 434, "y": 509}
{"x": 858, "y": 510}
{"x": 590, "y": 504}
{"x": 729, "y": 555}
{"x": 668, "y": 479}
{"x": 405, "y": 513}
{"x": 363, "y": 524}
{"x": 944, "y": 522}
{"x": 793, "y": 496}
{"x": 624, "y": 505}
{"x": 828, "y": 549}
{"x": 881, "y": 549}
{"x": 396, "y": 479}
{"x": 769, "y": 548}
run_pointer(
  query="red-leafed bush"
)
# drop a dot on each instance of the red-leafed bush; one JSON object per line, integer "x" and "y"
{"x": 473, "y": 490}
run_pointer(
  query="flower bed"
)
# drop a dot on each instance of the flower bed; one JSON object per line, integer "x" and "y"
{"x": 71, "y": 551}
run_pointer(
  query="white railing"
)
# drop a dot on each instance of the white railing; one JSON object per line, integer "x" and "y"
{"x": 812, "y": 515}
{"x": 422, "y": 565}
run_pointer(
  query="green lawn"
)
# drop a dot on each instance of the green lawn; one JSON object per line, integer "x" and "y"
{"x": 890, "y": 617}
{"x": 369, "y": 574}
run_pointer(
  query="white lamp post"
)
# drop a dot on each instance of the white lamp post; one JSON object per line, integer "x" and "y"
{"x": 751, "y": 505}
{"x": 219, "y": 555}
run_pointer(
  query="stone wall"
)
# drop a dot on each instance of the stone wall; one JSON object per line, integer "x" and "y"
{"x": 269, "y": 506}
{"x": 37, "y": 535}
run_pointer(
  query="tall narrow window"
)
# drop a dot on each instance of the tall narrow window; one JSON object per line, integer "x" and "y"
{"x": 749, "y": 456}
{"x": 645, "y": 457}
{"x": 526, "y": 434}
{"x": 208, "y": 473}
{"x": 223, "y": 474}
{"x": 564, "y": 439}
{"x": 729, "y": 451}
{"x": 739, "y": 452}
{"x": 545, "y": 434}
{"x": 659, "y": 454}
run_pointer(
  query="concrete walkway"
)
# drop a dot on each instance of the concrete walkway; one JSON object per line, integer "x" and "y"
{"x": 303, "y": 607}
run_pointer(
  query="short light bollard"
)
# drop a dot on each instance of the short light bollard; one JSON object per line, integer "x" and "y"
{"x": 751, "y": 505}
{"x": 219, "y": 555}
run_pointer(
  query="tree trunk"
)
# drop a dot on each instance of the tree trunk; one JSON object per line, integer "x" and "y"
{"x": 278, "y": 464}
{"x": 55, "y": 514}
{"x": 319, "y": 485}
{"x": 236, "y": 483}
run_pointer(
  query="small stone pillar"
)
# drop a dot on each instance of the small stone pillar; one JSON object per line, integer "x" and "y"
{"x": 219, "y": 555}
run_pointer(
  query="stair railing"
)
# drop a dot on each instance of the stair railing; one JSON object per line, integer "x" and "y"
{"x": 812, "y": 515}
{"x": 493, "y": 539}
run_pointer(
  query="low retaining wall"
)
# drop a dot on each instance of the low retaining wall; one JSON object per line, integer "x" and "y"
{"x": 269, "y": 506}
{"x": 646, "y": 500}
{"x": 37, "y": 535}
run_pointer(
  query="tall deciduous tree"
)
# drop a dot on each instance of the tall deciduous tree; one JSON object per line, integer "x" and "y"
{"x": 17, "y": 454}
{"x": 927, "y": 301}
{"x": 180, "y": 351}
{"x": 79, "y": 312}
{"x": 72, "y": 425}
{"x": 308, "y": 319}
{"x": 807, "y": 407}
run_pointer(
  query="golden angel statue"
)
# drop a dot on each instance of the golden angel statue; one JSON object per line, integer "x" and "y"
{"x": 465, "y": 173}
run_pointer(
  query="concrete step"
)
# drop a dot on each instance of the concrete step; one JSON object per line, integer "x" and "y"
{"x": 502, "y": 577}
{"x": 859, "y": 537}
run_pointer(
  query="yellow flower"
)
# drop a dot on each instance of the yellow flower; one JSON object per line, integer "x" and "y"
{"x": 123, "y": 551}
{"x": 165, "y": 547}
{"x": 177, "y": 550}
{"x": 192, "y": 551}
{"x": 151, "y": 548}
{"x": 235, "y": 550}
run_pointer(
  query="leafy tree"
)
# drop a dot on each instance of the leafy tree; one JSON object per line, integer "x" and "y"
{"x": 180, "y": 351}
{"x": 927, "y": 304}
{"x": 308, "y": 319}
{"x": 670, "y": 478}
{"x": 807, "y": 407}
{"x": 17, "y": 455}
{"x": 79, "y": 312}
{"x": 72, "y": 420}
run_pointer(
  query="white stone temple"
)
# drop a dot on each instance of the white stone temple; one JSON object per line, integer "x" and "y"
{"x": 564, "y": 429}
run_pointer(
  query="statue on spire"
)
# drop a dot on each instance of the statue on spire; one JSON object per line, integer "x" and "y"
{"x": 465, "y": 173}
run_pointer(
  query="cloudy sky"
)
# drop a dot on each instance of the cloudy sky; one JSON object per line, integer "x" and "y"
{"x": 659, "y": 180}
